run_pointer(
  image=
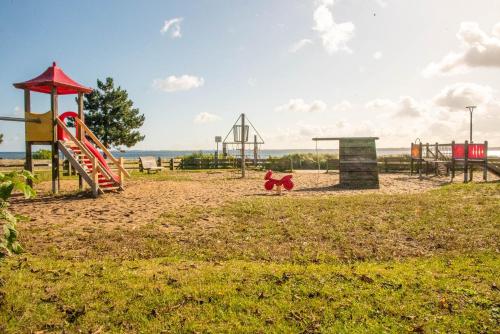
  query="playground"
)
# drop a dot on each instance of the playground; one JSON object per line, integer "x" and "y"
{"x": 174, "y": 248}
{"x": 158, "y": 249}
{"x": 147, "y": 197}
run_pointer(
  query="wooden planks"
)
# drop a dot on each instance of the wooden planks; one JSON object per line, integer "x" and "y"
{"x": 358, "y": 163}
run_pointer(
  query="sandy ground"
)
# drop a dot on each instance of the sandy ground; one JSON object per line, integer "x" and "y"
{"x": 145, "y": 199}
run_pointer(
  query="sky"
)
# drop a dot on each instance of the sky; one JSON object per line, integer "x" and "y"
{"x": 395, "y": 69}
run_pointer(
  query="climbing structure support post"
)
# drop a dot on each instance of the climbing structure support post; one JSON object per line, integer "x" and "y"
{"x": 485, "y": 167}
{"x": 80, "y": 131}
{"x": 436, "y": 154}
{"x": 420, "y": 163}
{"x": 29, "y": 158}
{"x": 120, "y": 172}
{"x": 55, "y": 149}
{"x": 243, "y": 145}
{"x": 466, "y": 162}
{"x": 452, "y": 160}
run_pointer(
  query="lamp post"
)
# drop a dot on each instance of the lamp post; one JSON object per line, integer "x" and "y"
{"x": 471, "y": 110}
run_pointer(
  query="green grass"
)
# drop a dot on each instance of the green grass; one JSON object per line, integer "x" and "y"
{"x": 431, "y": 294}
{"x": 343, "y": 264}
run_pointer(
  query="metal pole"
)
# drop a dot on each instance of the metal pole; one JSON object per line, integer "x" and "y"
{"x": 242, "y": 145}
{"x": 471, "y": 110}
{"x": 19, "y": 119}
{"x": 255, "y": 150}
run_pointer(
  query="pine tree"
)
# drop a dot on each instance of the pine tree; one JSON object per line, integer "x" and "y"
{"x": 109, "y": 113}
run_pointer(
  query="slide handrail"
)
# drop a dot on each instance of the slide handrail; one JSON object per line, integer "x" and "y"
{"x": 115, "y": 161}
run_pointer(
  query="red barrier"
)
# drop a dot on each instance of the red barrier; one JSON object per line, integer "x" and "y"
{"x": 476, "y": 151}
{"x": 415, "y": 151}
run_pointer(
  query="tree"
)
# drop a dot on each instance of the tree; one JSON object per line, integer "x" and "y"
{"x": 109, "y": 113}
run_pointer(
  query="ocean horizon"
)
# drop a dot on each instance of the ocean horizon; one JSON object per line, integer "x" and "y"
{"x": 492, "y": 152}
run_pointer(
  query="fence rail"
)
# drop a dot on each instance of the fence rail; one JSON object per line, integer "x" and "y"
{"x": 386, "y": 164}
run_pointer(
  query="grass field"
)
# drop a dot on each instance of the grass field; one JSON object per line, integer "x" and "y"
{"x": 361, "y": 263}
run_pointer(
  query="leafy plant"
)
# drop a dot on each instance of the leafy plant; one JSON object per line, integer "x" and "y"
{"x": 42, "y": 154}
{"x": 8, "y": 183}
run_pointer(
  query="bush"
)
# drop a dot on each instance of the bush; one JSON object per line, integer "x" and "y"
{"x": 42, "y": 154}
{"x": 8, "y": 183}
{"x": 299, "y": 161}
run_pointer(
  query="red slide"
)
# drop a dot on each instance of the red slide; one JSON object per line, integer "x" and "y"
{"x": 61, "y": 135}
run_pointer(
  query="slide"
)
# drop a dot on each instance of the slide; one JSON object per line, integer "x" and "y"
{"x": 62, "y": 136}
{"x": 99, "y": 156}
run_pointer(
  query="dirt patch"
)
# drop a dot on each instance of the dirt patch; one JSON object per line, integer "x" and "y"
{"x": 66, "y": 222}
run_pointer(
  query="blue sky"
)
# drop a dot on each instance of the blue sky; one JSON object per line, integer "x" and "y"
{"x": 298, "y": 68}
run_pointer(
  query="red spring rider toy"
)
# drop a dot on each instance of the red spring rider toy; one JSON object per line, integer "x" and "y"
{"x": 285, "y": 181}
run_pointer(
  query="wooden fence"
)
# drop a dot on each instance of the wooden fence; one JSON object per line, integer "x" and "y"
{"x": 386, "y": 164}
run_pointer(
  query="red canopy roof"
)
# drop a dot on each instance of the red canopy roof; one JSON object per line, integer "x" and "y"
{"x": 53, "y": 77}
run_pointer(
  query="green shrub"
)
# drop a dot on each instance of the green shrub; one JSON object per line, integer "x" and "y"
{"x": 8, "y": 183}
{"x": 42, "y": 154}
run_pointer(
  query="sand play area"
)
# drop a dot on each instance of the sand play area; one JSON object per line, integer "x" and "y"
{"x": 146, "y": 197}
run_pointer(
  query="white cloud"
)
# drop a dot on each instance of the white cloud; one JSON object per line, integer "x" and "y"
{"x": 299, "y": 45}
{"x": 334, "y": 36}
{"x": 377, "y": 55}
{"x": 460, "y": 95}
{"x": 382, "y": 3}
{"x": 406, "y": 106}
{"x": 380, "y": 104}
{"x": 174, "y": 26}
{"x": 478, "y": 50}
{"x": 299, "y": 105}
{"x": 431, "y": 120}
{"x": 205, "y": 117}
{"x": 175, "y": 84}
{"x": 17, "y": 111}
{"x": 343, "y": 106}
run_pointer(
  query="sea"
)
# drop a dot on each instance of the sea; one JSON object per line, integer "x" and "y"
{"x": 492, "y": 152}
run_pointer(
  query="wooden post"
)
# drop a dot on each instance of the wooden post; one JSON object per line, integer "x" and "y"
{"x": 95, "y": 177}
{"x": 171, "y": 163}
{"x": 120, "y": 172}
{"x": 411, "y": 164}
{"x": 466, "y": 162}
{"x": 242, "y": 145}
{"x": 426, "y": 161}
{"x": 485, "y": 167}
{"x": 55, "y": 149}
{"x": 420, "y": 163}
{"x": 436, "y": 152}
{"x": 80, "y": 134}
{"x": 29, "y": 159}
{"x": 452, "y": 160}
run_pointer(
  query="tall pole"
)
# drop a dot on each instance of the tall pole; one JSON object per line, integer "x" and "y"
{"x": 255, "y": 150}
{"x": 242, "y": 145}
{"x": 27, "y": 111}
{"x": 80, "y": 137}
{"x": 471, "y": 110}
{"x": 55, "y": 148}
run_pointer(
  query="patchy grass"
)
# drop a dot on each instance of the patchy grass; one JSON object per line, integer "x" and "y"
{"x": 453, "y": 220}
{"x": 164, "y": 175}
{"x": 363, "y": 263}
{"x": 420, "y": 295}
